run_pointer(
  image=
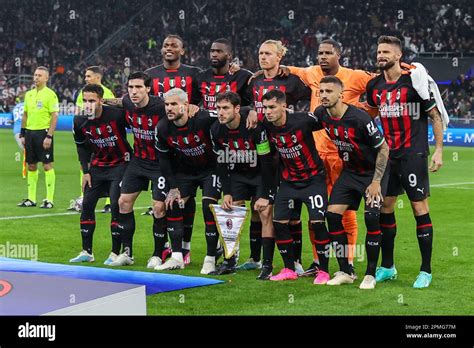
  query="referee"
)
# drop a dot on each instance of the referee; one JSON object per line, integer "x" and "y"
{"x": 39, "y": 122}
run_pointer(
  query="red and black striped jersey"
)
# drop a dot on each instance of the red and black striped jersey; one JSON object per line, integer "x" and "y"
{"x": 356, "y": 137}
{"x": 403, "y": 114}
{"x": 294, "y": 88}
{"x": 210, "y": 85}
{"x": 189, "y": 145}
{"x": 239, "y": 147}
{"x": 299, "y": 159}
{"x": 185, "y": 77}
{"x": 142, "y": 122}
{"x": 103, "y": 139}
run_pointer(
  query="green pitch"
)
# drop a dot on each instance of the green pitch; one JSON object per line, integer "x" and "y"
{"x": 452, "y": 208}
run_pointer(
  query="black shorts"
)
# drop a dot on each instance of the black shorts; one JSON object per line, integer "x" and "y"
{"x": 349, "y": 189}
{"x": 138, "y": 176}
{"x": 245, "y": 187}
{"x": 35, "y": 151}
{"x": 208, "y": 181}
{"x": 409, "y": 174}
{"x": 290, "y": 195}
{"x": 103, "y": 177}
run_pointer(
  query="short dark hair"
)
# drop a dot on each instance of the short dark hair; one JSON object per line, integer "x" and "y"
{"x": 277, "y": 94}
{"x": 174, "y": 36}
{"x": 334, "y": 43}
{"x": 391, "y": 40}
{"x": 142, "y": 76}
{"x": 224, "y": 41}
{"x": 93, "y": 88}
{"x": 230, "y": 96}
{"x": 95, "y": 69}
{"x": 332, "y": 79}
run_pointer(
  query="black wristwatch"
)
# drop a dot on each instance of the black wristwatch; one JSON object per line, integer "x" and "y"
{"x": 49, "y": 136}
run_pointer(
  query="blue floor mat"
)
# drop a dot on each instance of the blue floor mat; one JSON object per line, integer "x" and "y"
{"x": 154, "y": 282}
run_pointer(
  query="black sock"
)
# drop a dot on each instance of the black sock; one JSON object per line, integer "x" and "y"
{"x": 174, "y": 227}
{"x": 268, "y": 244}
{"x": 424, "y": 232}
{"x": 159, "y": 235}
{"x": 388, "y": 227}
{"x": 87, "y": 232}
{"x": 211, "y": 229}
{"x": 372, "y": 240}
{"x": 116, "y": 238}
{"x": 321, "y": 243}
{"x": 338, "y": 237}
{"x": 285, "y": 244}
{"x": 127, "y": 226}
{"x": 255, "y": 240}
{"x": 296, "y": 232}
{"x": 188, "y": 214}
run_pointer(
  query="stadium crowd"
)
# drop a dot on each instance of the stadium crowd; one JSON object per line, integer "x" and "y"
{"x": 60, "y": 34}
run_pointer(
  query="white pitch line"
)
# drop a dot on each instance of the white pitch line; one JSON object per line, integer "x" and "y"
{"x": 48, "y": 215}
{"x": 453, "y": 184}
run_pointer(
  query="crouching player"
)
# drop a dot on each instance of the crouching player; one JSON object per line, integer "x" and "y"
{"x": 104, "y": 152}
{"x": 187, "y": 162}
{"x": 364, "y": 154}
{"x": 244, "y": 165}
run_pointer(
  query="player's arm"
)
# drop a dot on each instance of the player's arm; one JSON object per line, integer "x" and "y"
{"x": 314, "y": 120}
{"x": 376, "y": 139}
{"x": 117, "y": 102}
{"x": 83, "y": 152}
{"x": 267, "y": 168}
{"x": 371, "y": 105}
{"x": 53, "y": 108}
{"x": 437, "y": 123}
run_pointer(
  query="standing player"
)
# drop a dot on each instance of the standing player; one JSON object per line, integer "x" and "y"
{"x": 103, "y": 149}
{"x": 364, "y": 154}
{"x": 270, "y": 54}
{"x": 38, "y": 125}
{"x": 187, "y": 161}
{"x": 247, "y": 177}
{"x": 142, "y": 114}
{"x": 303, "y": 180}
{"x": 217, "y": 78}
{"x": 404, "y": 115}
{"x": 93, "y": 76}
{"x": 170, "y": 74}
{"x": 355, "y": 81}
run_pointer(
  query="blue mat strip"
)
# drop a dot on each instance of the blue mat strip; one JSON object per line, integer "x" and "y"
{"x": 154, "y": 282}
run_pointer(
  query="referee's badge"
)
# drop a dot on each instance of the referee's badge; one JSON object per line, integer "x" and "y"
{"x": 39, "y": 104}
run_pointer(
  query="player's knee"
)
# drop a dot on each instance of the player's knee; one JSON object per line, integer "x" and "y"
{"x": 420, "y": 208}
{"x": 266, "y": 215}
{"x": 295, "y": 221}
{"x": 32, "y": 167}
{"x": 159, "y": 209}
{"x": 47, "y": 166}
{"x": 388, "y": 205}
{"x": 125, "y": 204}
{"x": 372, "y": 220}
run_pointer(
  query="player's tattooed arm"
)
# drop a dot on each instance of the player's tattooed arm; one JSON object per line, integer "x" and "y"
{"x": 437, "y": 122}
{"x": 374, "y": 190}
{"x": 114, "y": 102}
{"x": 381, "y": 162}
